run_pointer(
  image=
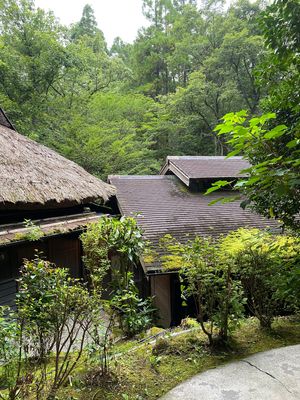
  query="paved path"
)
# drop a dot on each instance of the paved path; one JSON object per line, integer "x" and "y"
{"x": 271, "y": 375}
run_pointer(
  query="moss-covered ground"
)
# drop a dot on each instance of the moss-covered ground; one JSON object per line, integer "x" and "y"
{"x": 150, "y": 370}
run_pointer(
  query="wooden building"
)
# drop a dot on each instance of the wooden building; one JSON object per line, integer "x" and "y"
{"x": 174, "y": 203}
{"x": 56, "y": 197}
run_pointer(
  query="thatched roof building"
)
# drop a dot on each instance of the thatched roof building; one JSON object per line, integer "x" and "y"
{"x": 32, "y": 175}
{"x": 46, "y": 201}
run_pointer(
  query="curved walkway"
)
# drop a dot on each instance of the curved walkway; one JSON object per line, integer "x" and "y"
{"x": 271, "y": 375}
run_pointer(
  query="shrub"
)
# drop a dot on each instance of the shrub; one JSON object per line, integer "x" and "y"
{"x": 111, "y": 236}
{"x": 56, "y": 313}
{"x": 122, "y": 238}
{"x": 268, "y": 266}
{"x": 206, "y": 275}
{"x": 135, "y": 314}
{"x": 15, "y": 372}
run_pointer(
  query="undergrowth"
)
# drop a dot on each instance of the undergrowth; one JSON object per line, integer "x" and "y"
{"x": 147, "y": 371}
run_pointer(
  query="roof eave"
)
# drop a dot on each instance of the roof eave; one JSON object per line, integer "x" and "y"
{"x": 52, "y": 204}
{"x": 179, "y": 173}
{"x": 165, "y": 168}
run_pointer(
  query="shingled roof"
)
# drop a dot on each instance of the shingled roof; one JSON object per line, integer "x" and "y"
{"x": 164, "y": 205}
{"x": 32, "y": 175}
{"x": 188, "y": 168}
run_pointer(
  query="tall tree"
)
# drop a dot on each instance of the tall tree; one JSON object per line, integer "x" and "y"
{"x": 112, "y": 135}
{"x": 280, "y": 73}
{"x": 196, "y": 64}
{"x": 87, "y": 24}
{"x": 31, "y": 60}
{"x": 159, "y": 12}
{"x": 121, "y": 49}
{"x": 213, "y": 71}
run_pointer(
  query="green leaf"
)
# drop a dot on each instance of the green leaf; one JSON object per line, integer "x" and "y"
{"x": 293, "y": 143}
{"x": 219, "y": 200}
{"x": 217, "y": 185}
{"x": 276, "y": 132}
{"x": 230, "y": 199}
{"x": 233, "y": 153}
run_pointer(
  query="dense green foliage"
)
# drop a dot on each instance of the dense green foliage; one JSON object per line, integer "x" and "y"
{"x": 121, "y": 110}
{"x": 112, "y": 240}
{"x": 136, "y": 314}
{"x": 267, "y": 265}
{"x": 11, "y": 368}
{"x": 280, "y": 71}
{"x": 112, "y": 248}
{"x": 208, "y": 278}
{"x": 53, "y": 316}
{"x": 220, "y": 275}
{"x": 271, "y": 142}
{"x": 272, "y": 187}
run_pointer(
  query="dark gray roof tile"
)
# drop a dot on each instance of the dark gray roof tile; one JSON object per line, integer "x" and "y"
{"x": 163, "y": 205}
{"x": 189, "y": 168}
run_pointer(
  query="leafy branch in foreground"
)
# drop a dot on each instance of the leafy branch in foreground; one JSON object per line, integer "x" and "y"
{"x": 273, "y": 185}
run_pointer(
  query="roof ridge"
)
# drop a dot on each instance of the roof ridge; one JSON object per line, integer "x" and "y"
{"x": 137, "y": 177}
{"x": 204, "y": 158}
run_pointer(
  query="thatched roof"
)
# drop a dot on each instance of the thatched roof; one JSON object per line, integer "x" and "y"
{"x": 33, "y": 175}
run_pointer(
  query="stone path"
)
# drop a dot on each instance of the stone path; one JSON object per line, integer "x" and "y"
{"x": 271, "y": 375}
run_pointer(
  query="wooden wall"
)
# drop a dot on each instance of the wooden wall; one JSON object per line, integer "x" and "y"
{"x": 64, "y": 251}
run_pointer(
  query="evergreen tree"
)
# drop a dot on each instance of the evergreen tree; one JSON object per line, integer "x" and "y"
{"x": 87, "y": 26}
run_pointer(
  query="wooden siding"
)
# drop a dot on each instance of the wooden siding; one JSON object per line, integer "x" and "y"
{"x": 64, "y": 252}
{"x": 8, "y": 290}
{"x": 160, "y": 290}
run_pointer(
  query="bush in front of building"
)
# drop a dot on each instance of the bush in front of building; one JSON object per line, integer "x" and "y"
{"x": 248, "y": 266}
{"x": 116, "y": 245}
{"x": 135, "y": 314}
{"x": 207, "y": 276}
{"x": 43, "y": 340}
{"x": 268, "y": 266}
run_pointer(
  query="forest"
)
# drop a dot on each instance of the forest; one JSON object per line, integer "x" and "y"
{"x": 122, "y": 110}
{"x": 203, "y": 78}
